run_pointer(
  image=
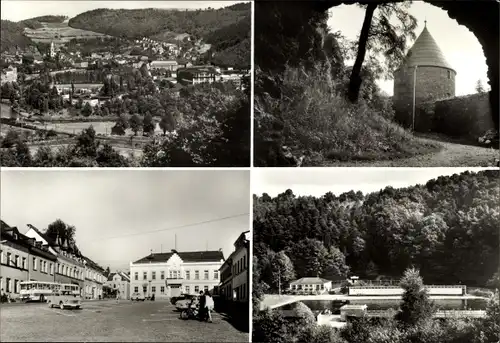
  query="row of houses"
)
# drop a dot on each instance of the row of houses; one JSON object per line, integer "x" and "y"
{"x": 34, "y": 256}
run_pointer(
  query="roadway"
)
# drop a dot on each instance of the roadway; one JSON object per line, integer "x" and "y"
{"x": 106, "y": 321}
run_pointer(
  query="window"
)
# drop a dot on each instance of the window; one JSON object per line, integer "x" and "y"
{"x": 174, "y": 274}
{"x": 153, "y": 275}
{"x": 114, "y": 285}
{"x": 144, "y": 289}
{"x": 153, "y": 289}
{"x": 136, "y": 275}
{"x": 196, "y": 289}
{"x": 206, "y": 274}
{"x": 24, "y": 262}
{"x": 162, "y": 289}
{"x": 8, "y": 258}
{"x": 7, "y": 285}
{"x": 162, "y": 275}
{"x": 187, "y": 289}
{"x": 51, "y": 269}
{"x": 34, "y": 263}
{"x": 196, "y": 275}
{"x": 1, "y": 256}
{"x": 216, "y": 274}
{"x": 144, "y": 275}
{"x": 449, "y": 74}
{"x": 136, "y": 289}
{"x": 188, "y": 276}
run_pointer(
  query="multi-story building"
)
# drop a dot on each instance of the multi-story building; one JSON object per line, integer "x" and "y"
{"x": 23, "y": 259}
{"x": 70, "y": 267}
{"x": 235, "y": 281}
{"x": 94, "y": 279}
{"x": 120, "y": 282}
{"x": 196, "y": 75}
{"x": 167, "y": 65}
{"x": 171, "y": 274}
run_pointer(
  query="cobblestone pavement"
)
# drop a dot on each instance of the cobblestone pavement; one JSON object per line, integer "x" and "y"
{"x": 100, "y": 321}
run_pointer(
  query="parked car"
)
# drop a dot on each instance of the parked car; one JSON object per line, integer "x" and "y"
{"x": 183, "y": 304}
{"x": 64, "y": 300}
{"x": 137, "y": 297}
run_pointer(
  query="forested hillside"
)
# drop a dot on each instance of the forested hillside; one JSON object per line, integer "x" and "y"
{"x": 448, "y": 228}
{"x": 12, "y": 36}
{"x": 226, "y": 28}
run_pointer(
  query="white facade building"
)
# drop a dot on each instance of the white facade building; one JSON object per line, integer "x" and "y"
{"x": 172, "y": 274}
{"x": 120, "y": 282}
{"x": 234, "y": 284}
{"x": 94, "y": 280}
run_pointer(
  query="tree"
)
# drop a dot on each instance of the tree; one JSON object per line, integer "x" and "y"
{"x": 135, "y": 123}
{"x": 167, "y": 123}
{"x": 282, "y": 271}
{"x": 416, "y": 306}
{"x": 148, "y": 124}
{"x": 86, "y": 110}
{"x": 479, "y": 87}
{"x": 380, "y": 35}
{"x": 59, "y": 229}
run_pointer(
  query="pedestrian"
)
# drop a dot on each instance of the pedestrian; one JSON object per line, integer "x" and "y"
{"x": 117, "y": 297}
{"x": 209, "y": 305}
{"x": 201, "y": 311}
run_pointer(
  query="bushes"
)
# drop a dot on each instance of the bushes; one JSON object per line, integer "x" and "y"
{"x": 315, "y": 116}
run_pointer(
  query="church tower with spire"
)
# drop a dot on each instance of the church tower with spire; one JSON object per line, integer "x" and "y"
{"x": 424, "y": 76}
{"x": 52, "y": 49}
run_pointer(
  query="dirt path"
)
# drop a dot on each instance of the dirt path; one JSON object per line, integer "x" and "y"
{"x": 452, "y": 155}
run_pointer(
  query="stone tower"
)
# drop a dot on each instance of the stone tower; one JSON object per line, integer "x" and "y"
{"x": 424, "y": 76}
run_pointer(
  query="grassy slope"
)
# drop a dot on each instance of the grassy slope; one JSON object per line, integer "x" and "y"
{"x": 318, "y": 120}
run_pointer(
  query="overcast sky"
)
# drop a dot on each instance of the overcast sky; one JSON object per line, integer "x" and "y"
{"x": 459, "y": 45}
{"x": 318, "y": 181}
{"x": 107, "y": 204}
{"x": 16, "y": 10}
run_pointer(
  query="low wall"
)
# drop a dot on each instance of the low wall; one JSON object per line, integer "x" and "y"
{"x": 467, "y": 117}
{"x": 394, "y": 290}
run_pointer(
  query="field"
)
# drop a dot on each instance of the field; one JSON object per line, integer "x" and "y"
{"x": 101, "y": 127}
{"x": 76, "y": 127}
{"x": 59, "y": 33}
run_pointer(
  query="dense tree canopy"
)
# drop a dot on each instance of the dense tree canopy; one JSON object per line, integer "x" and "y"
{"x": 389, "y": 230}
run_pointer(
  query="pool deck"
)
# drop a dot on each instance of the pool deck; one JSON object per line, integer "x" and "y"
{"x": 273, "y": 301}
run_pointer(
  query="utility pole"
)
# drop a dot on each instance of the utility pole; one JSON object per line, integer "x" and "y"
{"x": 279, "y": 281}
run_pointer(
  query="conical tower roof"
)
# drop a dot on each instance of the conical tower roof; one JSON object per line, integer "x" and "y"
{"x": 426, "y": 52}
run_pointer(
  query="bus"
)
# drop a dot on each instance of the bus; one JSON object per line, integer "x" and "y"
{"x": 37, "y": 290}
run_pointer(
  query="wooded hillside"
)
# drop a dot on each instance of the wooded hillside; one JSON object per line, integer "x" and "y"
{"x": 448, "y": 228}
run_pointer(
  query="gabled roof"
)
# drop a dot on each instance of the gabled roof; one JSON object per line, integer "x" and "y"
{"x": 425, "y": 51}
{"x": 192, "y": 256}
{"x": 123, "y": 276}
{"x": 309, "y": 281}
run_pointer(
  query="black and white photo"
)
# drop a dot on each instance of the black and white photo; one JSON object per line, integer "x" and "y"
{"x": 350, "y": 255}
{"x": 135, "y": 255}
{"x": 376, "y": 83}
{"x": 125, "y": 84}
